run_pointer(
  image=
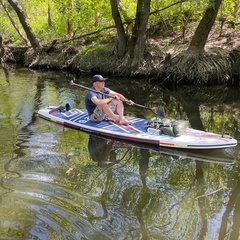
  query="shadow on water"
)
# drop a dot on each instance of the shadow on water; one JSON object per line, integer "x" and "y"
{"x": 58, "y": 183}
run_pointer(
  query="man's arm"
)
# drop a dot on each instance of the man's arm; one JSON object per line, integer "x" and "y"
{"x": 100, "y": 102}
{"x": 119, "y": 96}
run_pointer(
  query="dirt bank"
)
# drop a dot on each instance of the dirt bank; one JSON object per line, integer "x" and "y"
{"x": 165, "y": 58}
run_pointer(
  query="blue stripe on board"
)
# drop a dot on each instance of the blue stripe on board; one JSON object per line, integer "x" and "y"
{"x": 80, "y": 117}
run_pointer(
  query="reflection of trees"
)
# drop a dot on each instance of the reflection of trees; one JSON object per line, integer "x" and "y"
{"x": 104, "y": 152}
{"x": 20, "y": 115}
{"x": 231, "y": 215}
{"x": 208, "y": 106}
{"x": 24, "y": 132}
{"x": 145, "y": 195}
{"x": 202, "y": 201}
{"x": 191, "y": 99}
{"x": 105, "y": 196}
{"x": 6, "y": 71}
{"x": 163, "y": 211}
{"x": 101, "y": 150}
{"x": 23, "y": 112}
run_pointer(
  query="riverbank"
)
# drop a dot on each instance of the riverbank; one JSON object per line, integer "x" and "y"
{"x": 166, "y": 59}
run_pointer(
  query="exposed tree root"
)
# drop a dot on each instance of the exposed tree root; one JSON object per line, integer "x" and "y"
{"x": 200, "y": 69}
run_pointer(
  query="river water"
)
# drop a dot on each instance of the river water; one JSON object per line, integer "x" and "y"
{"x": 59, "y": 183}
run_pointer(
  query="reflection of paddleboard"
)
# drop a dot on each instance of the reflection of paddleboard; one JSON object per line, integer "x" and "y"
{"x": 136, "y": 132}
{"x": 213, "y": 156}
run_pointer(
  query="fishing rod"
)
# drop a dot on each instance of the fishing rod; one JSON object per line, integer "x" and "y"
{"x": 159, "y": 111}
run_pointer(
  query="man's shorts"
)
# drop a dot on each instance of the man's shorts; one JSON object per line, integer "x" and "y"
{"x": 98, "y": 115}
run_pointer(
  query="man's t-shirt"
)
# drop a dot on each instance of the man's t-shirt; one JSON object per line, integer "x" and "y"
{"x": 90, "y": 106}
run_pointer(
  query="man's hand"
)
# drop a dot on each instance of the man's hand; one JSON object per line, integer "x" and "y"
{"x": 129, "y": 102}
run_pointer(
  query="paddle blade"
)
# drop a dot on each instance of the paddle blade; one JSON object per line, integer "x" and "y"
{"x": 161, "y": 112}
{"x": 155, "y": 110}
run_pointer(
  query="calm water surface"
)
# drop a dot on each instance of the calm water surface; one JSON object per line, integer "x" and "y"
{"x": 59, "y": 183}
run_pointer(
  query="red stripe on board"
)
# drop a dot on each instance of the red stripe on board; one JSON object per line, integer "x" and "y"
{"x": 70, "y": 125}
{"x": 61, "y": 123}
{"x": 129, "y": 128}
{"x": 166, "y": 144}
{"x": 54, "y": 112}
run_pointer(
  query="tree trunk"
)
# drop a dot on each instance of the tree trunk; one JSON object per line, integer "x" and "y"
{"x": 27, "y": 28}
{"x": 70, "y": 20}
{"x": 122, "y": 38}
{"x": 137, "y": 44}
{"x": 1, "y": 49}
{"x": 199, "y": 39}
{"x": 14, "y": 24}
{"x": 49, "y": 16}
{"x": 123, "y": 11}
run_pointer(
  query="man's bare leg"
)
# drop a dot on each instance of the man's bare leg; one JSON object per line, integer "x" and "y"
{"x": 110, "y": 114}
{"x": 120, "y": 111}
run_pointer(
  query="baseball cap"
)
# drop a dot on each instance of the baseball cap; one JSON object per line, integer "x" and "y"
{"x": 98, "y": 78}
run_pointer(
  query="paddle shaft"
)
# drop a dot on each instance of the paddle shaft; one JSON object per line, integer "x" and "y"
{"x": 108, "y": 95}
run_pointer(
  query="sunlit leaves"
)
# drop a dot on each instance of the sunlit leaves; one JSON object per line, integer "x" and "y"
{"x": 86, "y": 16}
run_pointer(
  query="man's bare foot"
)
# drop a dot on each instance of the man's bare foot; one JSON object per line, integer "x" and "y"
{"x": 124, "y": 121}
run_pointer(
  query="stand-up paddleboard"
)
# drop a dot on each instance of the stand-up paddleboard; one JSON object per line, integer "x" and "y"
{"x": 136, "y": 132}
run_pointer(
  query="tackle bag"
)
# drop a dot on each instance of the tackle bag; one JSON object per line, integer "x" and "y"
{"x": 169, "y": 127}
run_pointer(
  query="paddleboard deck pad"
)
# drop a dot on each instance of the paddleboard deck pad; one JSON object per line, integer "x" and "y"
{"x": 136, "y": 132}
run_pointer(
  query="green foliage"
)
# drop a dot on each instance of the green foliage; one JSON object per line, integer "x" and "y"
{"x": 230, "y": 10}
{"x": 89, "y": 15}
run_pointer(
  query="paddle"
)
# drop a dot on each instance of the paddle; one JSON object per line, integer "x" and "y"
{"x": 159, "y": 111}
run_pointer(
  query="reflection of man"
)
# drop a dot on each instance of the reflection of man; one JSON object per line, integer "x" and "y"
{"x": 101, "y": 151}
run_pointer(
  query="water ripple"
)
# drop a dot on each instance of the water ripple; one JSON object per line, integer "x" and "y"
{"x": 38, "y": 206}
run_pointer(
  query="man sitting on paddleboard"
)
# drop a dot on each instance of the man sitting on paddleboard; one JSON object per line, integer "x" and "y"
{"x": 100, "y": 108}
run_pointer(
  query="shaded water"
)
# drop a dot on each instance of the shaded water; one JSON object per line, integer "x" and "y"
{"x": 59, "y": 183}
